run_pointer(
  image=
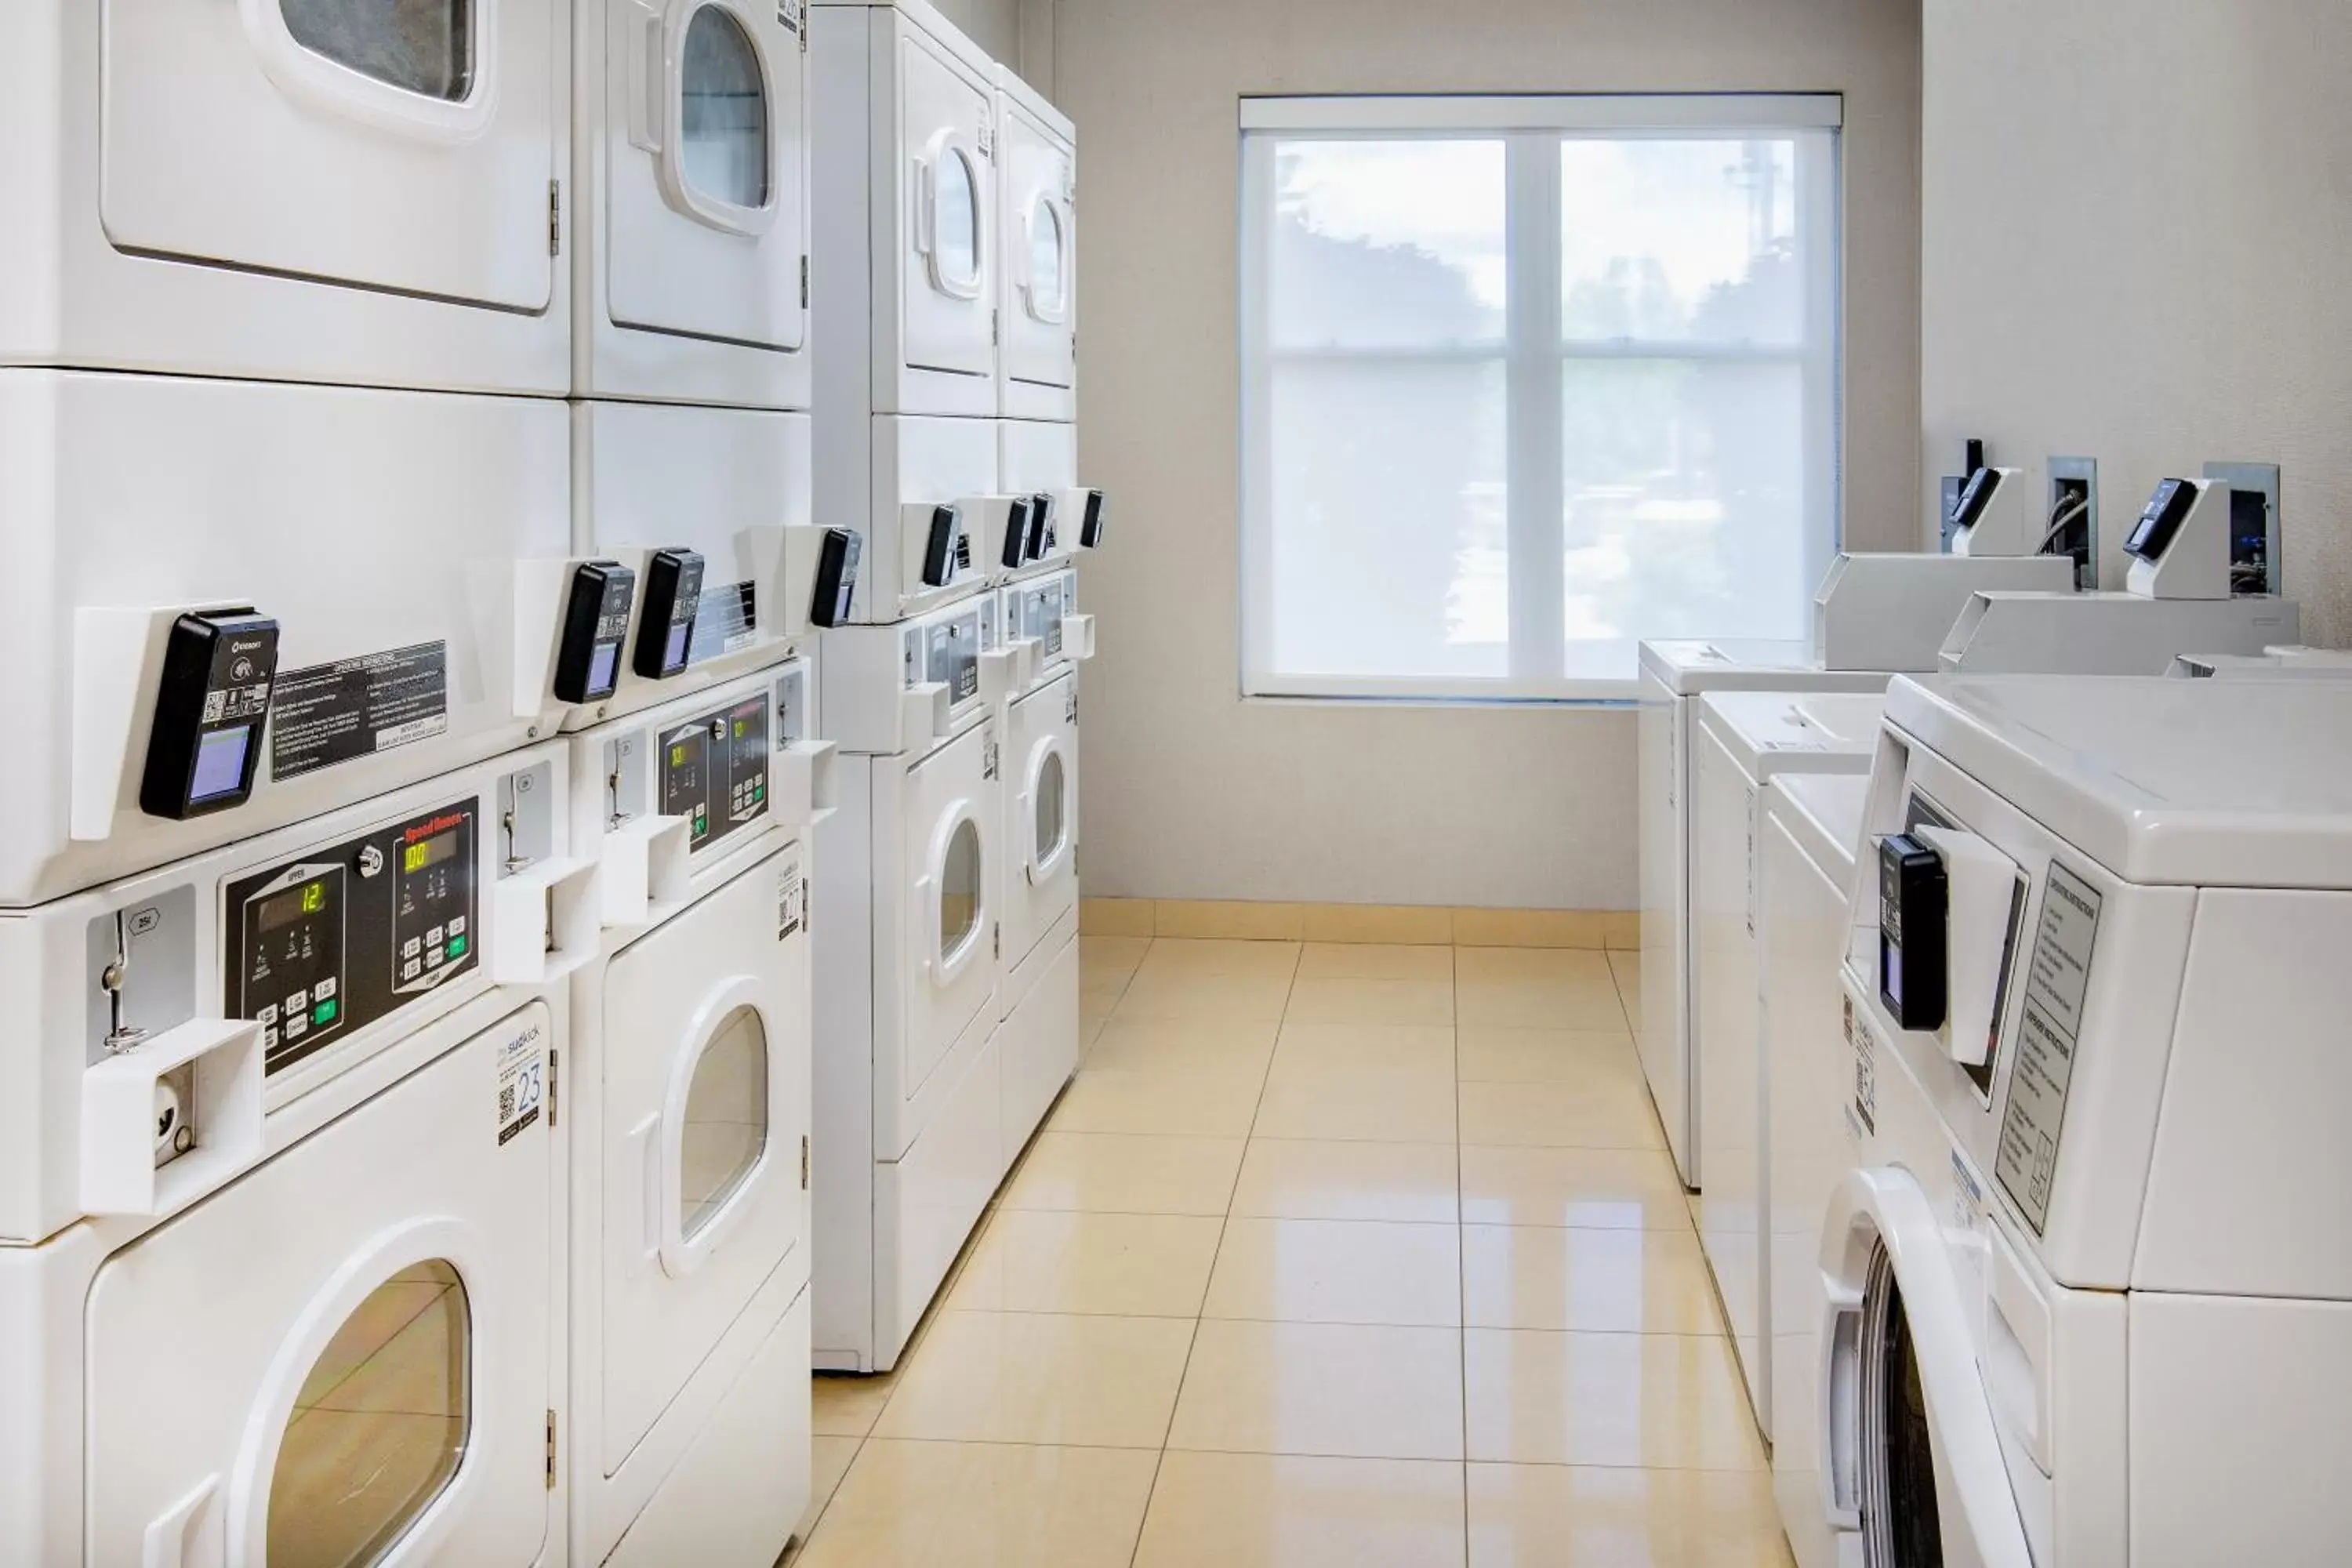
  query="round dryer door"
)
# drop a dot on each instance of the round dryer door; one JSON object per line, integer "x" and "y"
{"x": 1911, "y": 1458}
{"x": 370, "y": 1385}
{"x": 1046, "y": 291}
{"x": 1051, "y": 809}
{"x": 955, "y": 229}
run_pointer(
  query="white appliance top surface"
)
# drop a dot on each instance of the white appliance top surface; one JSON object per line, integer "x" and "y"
{"x": 2198, "y": 782}
{"x": 1747, "y": 664}
{"x": 1824, "y": 812}
{"x": 1772, "y": 732}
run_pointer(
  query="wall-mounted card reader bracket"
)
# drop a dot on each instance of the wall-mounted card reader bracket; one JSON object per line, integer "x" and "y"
{"x": 2179, "y": 547}
{"x": 162, "y": 718}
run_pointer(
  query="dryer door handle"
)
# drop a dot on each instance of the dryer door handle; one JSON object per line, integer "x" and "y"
{"x": 189, "y": 1532}
{"x": 646, "y": 1139}
{"x": 648, "y": 79}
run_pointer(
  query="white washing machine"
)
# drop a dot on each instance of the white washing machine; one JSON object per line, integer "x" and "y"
{"x": 1675, "y": 675}
{"x": 722, "y": 493}
{"x": 689, "y": 1115}
{"x": 1038, "y": 995}
{"x": 379, "y": 535}
{"x": 911, "y": 869}
{"x": 1038, "y": 215}
{"x": 1749, "y": 745}
{"x": 309, "y": 190}
{"x": 2088, "y": 1283}
{"x": 905, "y": 214}
{"x": 690, "y": 160}
{"x": 1804, "y": 871}
{"x": 284, "y": 1272}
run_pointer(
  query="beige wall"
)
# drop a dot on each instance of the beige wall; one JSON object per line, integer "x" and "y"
{"x": 2138, "y": 223}
{"x": 993, "y": 25}
{"x": 1191, "y": 792}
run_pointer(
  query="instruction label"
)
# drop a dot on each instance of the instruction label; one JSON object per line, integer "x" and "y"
{"x": 354, "y": 708}
{"x": 2055, "y": 983}
{"x": 792, "y": 898}
{"x": 1865, "y": 1046}
{"x": 522, "y": 1082}
{"x": 726, "y": 618}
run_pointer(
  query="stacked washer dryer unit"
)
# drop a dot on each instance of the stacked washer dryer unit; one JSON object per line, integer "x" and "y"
{"x": 916, "y": 1122}
{"x": 685, "y": 626}
{"x": 281, "y": 1240}
{"x": 2083, "y": 1279}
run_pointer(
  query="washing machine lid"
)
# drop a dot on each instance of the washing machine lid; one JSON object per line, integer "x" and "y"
{"x": 1822, "y": 812}
{"x": 2203, "y": 783}
{"x": 1689, "y": 665}
{"x": 1772, "y": 732}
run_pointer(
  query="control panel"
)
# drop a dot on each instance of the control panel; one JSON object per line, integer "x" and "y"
{"x": 947, "y": 648}
{"x": 1036, "y": 610}
{"x": 595, "y": 624}
{"x": 332, "y": 942}
{"x": 712, "y": 770}
{"x": 210, "y": 706}
{"x": 665, "y": 629}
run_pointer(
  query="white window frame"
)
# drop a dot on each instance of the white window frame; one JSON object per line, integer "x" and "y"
{"x": 1531, "y": 129}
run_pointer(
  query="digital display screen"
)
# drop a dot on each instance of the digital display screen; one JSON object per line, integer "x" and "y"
{"x": 674, "y": 652}
{"x": 1890, "y": 972}
{"x": 600, "y": 666}
{"x": 282, "y": 909}
{"x": 433, "y": 851}
{"x": 220, "y": 763}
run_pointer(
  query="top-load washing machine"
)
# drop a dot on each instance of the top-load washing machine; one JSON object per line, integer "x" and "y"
{"x": 906, "y": 212}
{"x": 1037, "y": 218}
{"x": 911, "y": 870}
{"x": 241, "y": 604}
{"x": 1804, "y": 871}
{"x": 283, "y": 1201}
{"x": 690, "y": 158}
{"x": 2086, "y": 1280}
{"x": 688, "y": 1107}
{"x": 309, "y": 190}
{"x": 1750, "y": 744}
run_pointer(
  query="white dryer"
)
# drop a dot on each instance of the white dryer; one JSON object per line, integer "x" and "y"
{"x": 721, "y": 493}
{"x": 1038, "y": 216}
{"x": 1039, "y": 459}
{"x": 921, "y": 492}
{"x": 688, "y": 1101}
{"x": 2087, "y": 1279}
{"x": 1038, "y": 994}
{"x": 1751, "y": 743}
{"x": 905, "y": 214}
{"x": 691, "y": 164}
{"x": 379, "y": 534}
{"x": 1804, "y": 871}
{"x": 311, "y": 190}
{"x": 285, "y": 1270}
{"x": 911, "y": 870}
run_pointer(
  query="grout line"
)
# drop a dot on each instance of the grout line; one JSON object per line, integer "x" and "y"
{"x": 1460, "y": 1262}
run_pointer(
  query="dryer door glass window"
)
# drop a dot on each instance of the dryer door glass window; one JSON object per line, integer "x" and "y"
{"x": 960, "y": 890}
{"x": 723, "y": 111}
{"x": 424, "y": 46}
{"x": 1900, "y": 1522}
{"x": 726, "y": 1119}
{"x": 379, "y": 1426}
{"x": 1053, "y": 819}
{"x": 959, "y": 221}
{"x": 1047, "y": 287}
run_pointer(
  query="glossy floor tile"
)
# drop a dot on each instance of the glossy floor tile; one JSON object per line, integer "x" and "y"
{"x": 1339, "y": 1254}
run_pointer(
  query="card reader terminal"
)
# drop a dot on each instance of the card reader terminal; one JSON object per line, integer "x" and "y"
{"x": 210, "y": 706}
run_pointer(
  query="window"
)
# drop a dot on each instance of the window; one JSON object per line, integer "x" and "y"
{"x": 1527, "y": 380}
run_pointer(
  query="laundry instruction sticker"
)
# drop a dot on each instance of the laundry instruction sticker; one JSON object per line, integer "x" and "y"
{"x": 1865, "y": 1046}
{"x": 354, "y": 708}
{"x": 792, "y": 898}
{"x": 2057, "y": 982}
{"x": 522, "y": 1081}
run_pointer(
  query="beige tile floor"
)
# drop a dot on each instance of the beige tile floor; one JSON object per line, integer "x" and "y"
{"x": 1332, "y": 1255}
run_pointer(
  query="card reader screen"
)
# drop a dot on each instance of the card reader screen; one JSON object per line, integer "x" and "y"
{"x": 220, "y": 763}
{"x": 600, "y": 667}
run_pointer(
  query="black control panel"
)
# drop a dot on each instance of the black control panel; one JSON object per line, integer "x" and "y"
{"x": 2159, "y": 523}
{"x": 1091, "y": 521}
{"x": 947, "y": 549}
{"x": 1044, "y": 532}
{"x": 595, "y": 624}
{"x": 1914, "y": 911}
{"x": 665, "y": 629}
{"x": 330, "y": 943}
{"x": 836, "y": 577}
{"x": 210, "y": 706}
{"x": 713, "y": 771}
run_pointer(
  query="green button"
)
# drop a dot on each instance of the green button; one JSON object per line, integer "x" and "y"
{"x": 324, "y": 1013}
{"x": 759, "y": 791}
{"x": 456, "y": 947}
